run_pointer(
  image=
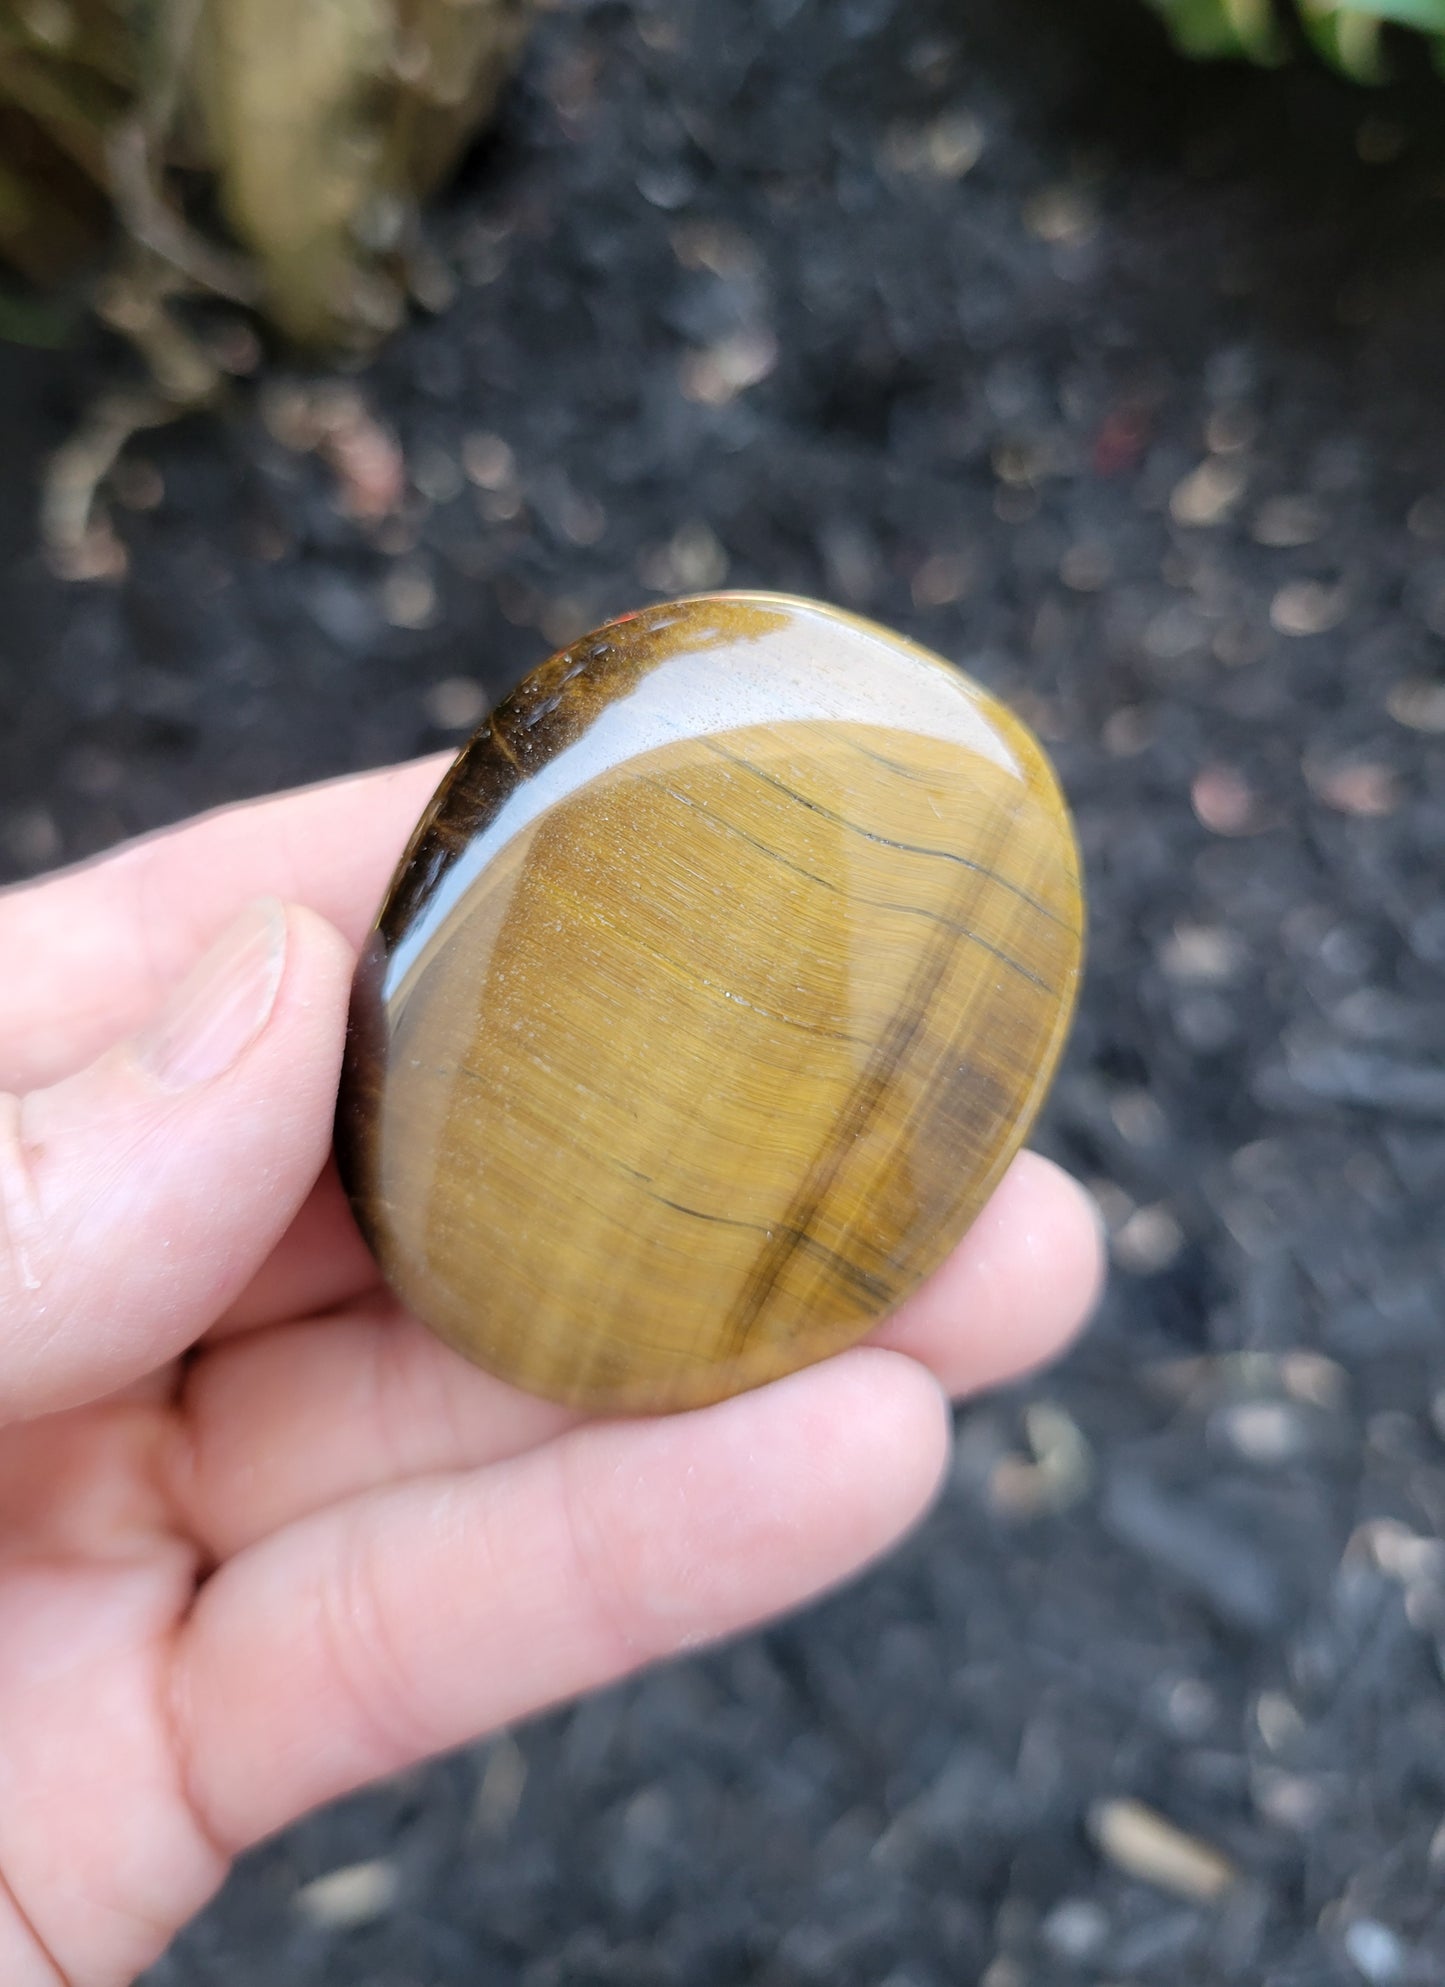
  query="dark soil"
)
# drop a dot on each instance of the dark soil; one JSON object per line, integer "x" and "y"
{"x": 1137, "y": 413}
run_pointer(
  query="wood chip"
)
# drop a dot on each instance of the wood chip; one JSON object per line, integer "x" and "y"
{"x": 1145, "y": 1846}
{"x": 1283, "y": 522}
{"x": 351, "y": 1896}
{"x": 1418, "y": 704}
{"x": 499, "y": 1794}
{"x": 1362, "y": 788}
{"x": 1209, "y": 493}
{"x": 1062, "y": 215}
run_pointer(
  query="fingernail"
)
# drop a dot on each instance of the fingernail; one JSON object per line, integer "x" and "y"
{"x": 222, "y": 1004}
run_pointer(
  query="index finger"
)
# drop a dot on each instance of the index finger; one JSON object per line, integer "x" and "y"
{"x": 89, "y": 953}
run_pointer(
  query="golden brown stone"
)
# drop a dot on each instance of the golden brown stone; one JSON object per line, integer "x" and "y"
{"x": 716, "y": 989}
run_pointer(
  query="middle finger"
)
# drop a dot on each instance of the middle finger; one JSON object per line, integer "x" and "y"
{"x": 278, "y": 1422}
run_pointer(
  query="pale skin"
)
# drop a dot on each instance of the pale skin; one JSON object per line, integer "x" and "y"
{"x": 262, "y": 1539}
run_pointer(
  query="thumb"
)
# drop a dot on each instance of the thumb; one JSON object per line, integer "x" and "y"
{"x": 139, "y": 1197}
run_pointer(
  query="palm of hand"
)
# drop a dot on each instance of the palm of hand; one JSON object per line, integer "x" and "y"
{"x": 261, "y": 1537}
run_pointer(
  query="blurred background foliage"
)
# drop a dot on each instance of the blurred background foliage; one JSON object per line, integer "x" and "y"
{"x": 274, "y": 154}
{"x": 160, "y": 157}
{"x": 263, "y": 151}
{"x": 1347, "y": 33}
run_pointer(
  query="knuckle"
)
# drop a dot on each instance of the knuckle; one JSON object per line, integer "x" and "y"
{"x": 21, "y": 1215}
{"x": 360, "y": 1658}
{"x": 48, "y": 1971}
{"x": 599, "y": 1558}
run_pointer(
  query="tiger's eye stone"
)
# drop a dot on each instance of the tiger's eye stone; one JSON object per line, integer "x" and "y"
{"x": 717, "y": 987}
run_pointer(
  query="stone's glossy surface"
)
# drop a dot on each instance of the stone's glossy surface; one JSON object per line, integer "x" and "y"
{"x": 717, "y": 987}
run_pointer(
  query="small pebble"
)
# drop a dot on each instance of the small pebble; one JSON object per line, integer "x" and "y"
{"x": 581, "y": 518}
{"x": 437, "y": 475}
{"x": 457, "y": 703}
{"x": 1289, "y": 1800}
{"x": 1148, "y": 1241}
{"x": 1210, "y": 955}
{"x": 1075, "y": 1929}
{"x": 1053, "y": 1477}
{"x": 564, "y": 620}
{"x": 1263, "y": 1431}
{"x": 287, "y": 415}
{"x": 941, "y": 580}
{"x": 1268, "y": 1433}
{"x": 1224, "y": 801}
{"x": 408, "y": 598}
{"x": 947, "y": 149}
{"x": 364, "y": 454}
{"x": 1404, "y": 1555}
{"x": 1231, "y": 428}
{"x": 1419, "y": 704}
{"x": 719, "y": 373}
{"x": 954, "y": 144}
{"x": 1278, "y": 1719}
{"x": 488, "y": 462}
{"x": 1138, "y": 1118}
{"x": 1063, "y": 216}
{"x": 1003, "y": 1972}
{"x": 1375, "y": 1951}
{"x": 1306, "y": 607}
{"x": 1191, "y": 1707}
{"x": 1311, "y": 1377}
{"x": 692, "y": 561}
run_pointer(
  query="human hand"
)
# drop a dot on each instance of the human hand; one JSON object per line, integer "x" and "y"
{"x": 262, "y": 1537}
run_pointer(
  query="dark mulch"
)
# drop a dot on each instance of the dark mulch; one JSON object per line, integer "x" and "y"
{"x": 1138, "y": 413}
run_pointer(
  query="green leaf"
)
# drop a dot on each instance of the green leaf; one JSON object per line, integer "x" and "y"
{"x": 1349, "y": 40}
{"x": 1428, "y": 15}
{"x": 1208, "y": 28}
{"x": 1347, "y": 33}
{"x": 1254, "y": 22}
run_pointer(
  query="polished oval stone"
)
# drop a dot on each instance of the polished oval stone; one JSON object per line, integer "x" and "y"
{"x": 717, "y": 987}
